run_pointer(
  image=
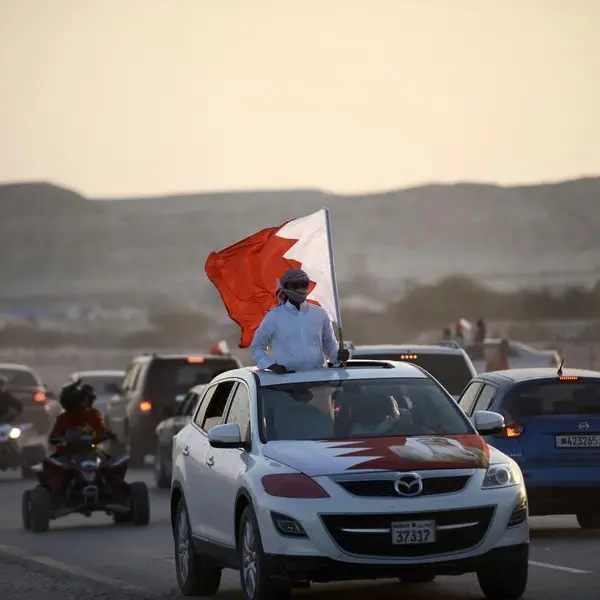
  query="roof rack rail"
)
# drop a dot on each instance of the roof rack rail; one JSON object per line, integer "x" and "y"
{"x": 369, "y": 364}
{"x": 447, "y": 344}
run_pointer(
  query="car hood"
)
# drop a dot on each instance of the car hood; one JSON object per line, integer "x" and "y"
{"x": 328, "y": 457}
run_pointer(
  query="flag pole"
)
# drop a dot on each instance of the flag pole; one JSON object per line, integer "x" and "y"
{"x": 336, "y": 298}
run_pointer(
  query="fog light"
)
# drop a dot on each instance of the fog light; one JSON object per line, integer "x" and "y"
{"x": 287, "y": 526}
{"x": 519, "y": 513}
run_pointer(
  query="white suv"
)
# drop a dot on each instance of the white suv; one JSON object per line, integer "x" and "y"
{"x": 364, "y": 472}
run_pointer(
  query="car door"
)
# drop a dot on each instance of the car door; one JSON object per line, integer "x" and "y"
{"x": 226, "y": 465}
{"x": 117, "y": 406}
{"x": 199, "y": 492}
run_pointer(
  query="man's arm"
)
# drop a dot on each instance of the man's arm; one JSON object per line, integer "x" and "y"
{"x": 261, "y": 341}
{"x": 331, "y": 345}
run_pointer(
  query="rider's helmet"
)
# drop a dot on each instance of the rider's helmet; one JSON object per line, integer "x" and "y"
{"x": 75, "y": 395}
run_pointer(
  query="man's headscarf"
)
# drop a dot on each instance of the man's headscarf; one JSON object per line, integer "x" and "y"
{"x": 293, "y": 286}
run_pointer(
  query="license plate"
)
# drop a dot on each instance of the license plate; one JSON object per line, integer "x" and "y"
{"x": 413, "y": 532}
{"x": 578, "y": 441}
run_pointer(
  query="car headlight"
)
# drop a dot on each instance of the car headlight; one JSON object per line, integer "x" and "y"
{"x": 502, "y": 475}
{"x": 15, "y": 433}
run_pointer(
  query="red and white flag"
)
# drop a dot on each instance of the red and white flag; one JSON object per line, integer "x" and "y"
{"x": 246, "y": 273}
{"x": 220, "y": 348}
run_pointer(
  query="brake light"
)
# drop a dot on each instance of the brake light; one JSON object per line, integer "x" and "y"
{"x": 145, "y": 406}
{"x": 513, "y": 431}
{"x": 409, "y": 356}
{"x": 195, "y": 359}
{"x": 292, "y": 485}
{"x": 568, "y": 378}
{"x": 39, "y": 397}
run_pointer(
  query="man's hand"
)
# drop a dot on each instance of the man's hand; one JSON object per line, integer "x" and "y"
{"x": 343, "y": 355}
{"x": 279, "y": 369}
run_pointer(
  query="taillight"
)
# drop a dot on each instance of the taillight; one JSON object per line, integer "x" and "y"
{"x": 39, "y": 397}
{"x": 145, "y": 406}
{"x": 292, "y": 485}
{"x": 513, "y": 431}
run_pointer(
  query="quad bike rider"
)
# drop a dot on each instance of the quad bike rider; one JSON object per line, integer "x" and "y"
{"x": 79, "y": 477}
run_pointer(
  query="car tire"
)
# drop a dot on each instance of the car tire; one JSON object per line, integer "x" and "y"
{"x": 40, "y": 509}
{"x": 26, "y": 510}
{"x": 161, "y": 477}
{"x": 415, "y": 578}
{"x": 197, "y": 575}
{"x": 140, "y": 503}
{"x": 506, "y": 581}
{"x": 588, "y": 520}
{"x": 255, "y": 580}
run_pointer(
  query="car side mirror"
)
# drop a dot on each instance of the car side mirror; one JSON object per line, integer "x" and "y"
{"x": 488, "y": 423}
{"x": 226, "y": 436}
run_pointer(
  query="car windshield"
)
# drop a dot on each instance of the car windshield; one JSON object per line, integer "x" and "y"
{"x": 104, "y": 384}
{"x": 169, "y": 378}
{"x": 359, "y": 408}
{"x": 556, "y": 397}
{"x": 19, "y": 378}
{"x": 451, "y": 370}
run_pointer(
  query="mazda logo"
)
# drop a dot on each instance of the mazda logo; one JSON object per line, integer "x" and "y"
{"x": 408, "y": 484}
{"x": 583, "y": 426}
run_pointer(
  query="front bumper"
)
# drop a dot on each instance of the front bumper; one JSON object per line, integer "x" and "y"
{"x": 323, "y": 570}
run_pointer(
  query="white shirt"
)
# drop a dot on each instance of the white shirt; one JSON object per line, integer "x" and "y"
{"x": 298, "y": 339}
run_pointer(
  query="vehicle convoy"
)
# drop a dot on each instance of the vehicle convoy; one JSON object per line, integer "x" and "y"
{"x": 92, "y": 481}
{"x": 153, "y": 386}
{"x": 446, "y": 361}
{"x": 165, "y": 432}
{"x": 363, "y": 472}
{"x": 552, "y": 430}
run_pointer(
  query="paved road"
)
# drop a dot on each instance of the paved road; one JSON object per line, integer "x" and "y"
{"x": 94, "y": 559}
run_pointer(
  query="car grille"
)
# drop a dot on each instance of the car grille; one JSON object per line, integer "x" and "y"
{"x": 456, "y": 530}
{"x": 385, "y": 488}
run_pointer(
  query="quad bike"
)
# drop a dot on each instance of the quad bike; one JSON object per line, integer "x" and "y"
{"x": 90, "y": 481}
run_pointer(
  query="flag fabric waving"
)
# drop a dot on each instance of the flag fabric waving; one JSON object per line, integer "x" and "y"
{"x": 245, "y": 274}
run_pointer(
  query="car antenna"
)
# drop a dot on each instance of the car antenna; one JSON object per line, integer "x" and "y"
{"x": 560, "y": 367}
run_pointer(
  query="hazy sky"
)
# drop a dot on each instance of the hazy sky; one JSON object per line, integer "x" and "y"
{"x": 123, "y": 97}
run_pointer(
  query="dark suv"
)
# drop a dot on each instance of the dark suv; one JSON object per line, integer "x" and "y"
{"x": 153, "y": 386}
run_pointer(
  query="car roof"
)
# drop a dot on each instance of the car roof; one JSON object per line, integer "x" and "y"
{"x": 384, "y": 370}
{"x": 98, "y": 373}
{"x": 531, "y": 374}
{"x": 16, "y": 367}
{"x": 406, "y": 348}
{"x": 158, "y": 356}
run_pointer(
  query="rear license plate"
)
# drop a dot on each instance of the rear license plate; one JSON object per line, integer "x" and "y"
{"x": 413, "y": 532}
{"x": 578, "y": 441}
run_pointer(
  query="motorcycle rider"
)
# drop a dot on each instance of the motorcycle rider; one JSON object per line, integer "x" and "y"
{"x": 79, "y": 415}
{"x": 10, "y": 407}
{"x": 298, "y": 333}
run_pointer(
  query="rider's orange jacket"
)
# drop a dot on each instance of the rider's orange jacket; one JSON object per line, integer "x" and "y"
{"x": 89, "y": 420}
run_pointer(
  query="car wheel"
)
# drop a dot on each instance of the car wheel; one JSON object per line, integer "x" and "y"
{"x": 255, "y": 580}
{"x": 196, "y": 574}
{"x": 588, "y": 520}
{"x": 507, "y": 581}
{"x": 416, "y": 578}
{"x": 140, "y": 503}
{"x": 161, "y": 477}
{"x": 26, "y": 509}
{"x": 40, "y": 509}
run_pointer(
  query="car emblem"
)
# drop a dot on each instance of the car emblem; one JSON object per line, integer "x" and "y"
{"x": 583, "y": 426}
{"x": 408, "y": 484}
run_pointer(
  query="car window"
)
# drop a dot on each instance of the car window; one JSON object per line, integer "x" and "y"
{"x": 358, "y": 409}
{"x": 451, "y": 370}
{"x": 485, "y": 398}
{"x": 188, "y": 405}
{"x": 556, "y": 397}
{"x": 203, "y": 404}
{"x": 19, "y": 378}
{"x": 216, "y": 407}
{"x": 135, "y": 376}
{"x": 172, "y": 377}
{"x": 239, "y": 411}
{"x": 104, "y": 384}
{"x": 467, "y": 400}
